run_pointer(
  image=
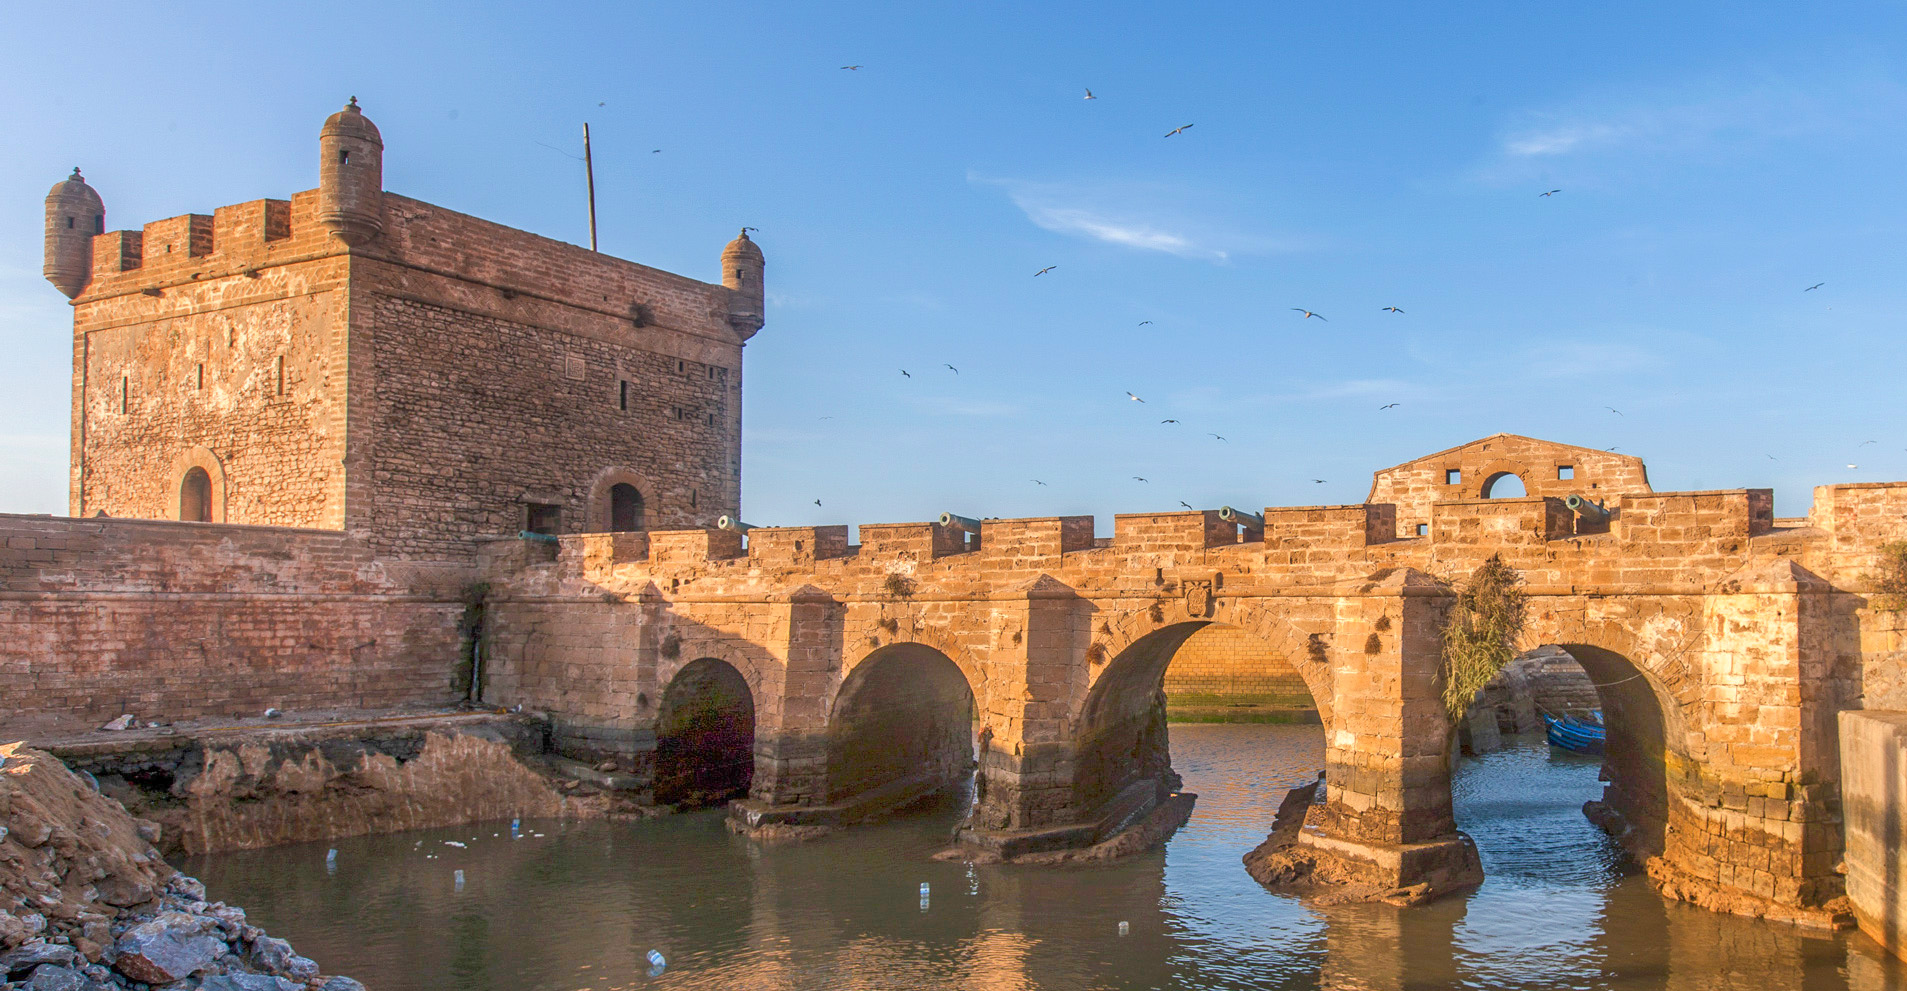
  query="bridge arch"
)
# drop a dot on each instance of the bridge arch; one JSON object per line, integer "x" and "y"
{"x": 902, "y": 720}
{"x": 1119, "y": 733}
{"x": 705, "y": 735}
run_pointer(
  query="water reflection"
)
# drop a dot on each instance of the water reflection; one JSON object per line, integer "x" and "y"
{"x": 581, "y": 906}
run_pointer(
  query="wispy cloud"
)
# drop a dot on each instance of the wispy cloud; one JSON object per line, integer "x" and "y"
{"x": 1699, "y": 119}
{"x": 1143, "y": 217}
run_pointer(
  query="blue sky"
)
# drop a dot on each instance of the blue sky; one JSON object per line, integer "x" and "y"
{"x": 1714, "y": 161}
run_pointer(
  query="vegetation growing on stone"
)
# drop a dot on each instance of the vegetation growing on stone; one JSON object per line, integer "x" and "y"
{"x": 1479, "y": 634}
{"x": 1890, "y": 578}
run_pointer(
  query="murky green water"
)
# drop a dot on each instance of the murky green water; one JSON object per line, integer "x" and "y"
{"x": 581, "y": 905}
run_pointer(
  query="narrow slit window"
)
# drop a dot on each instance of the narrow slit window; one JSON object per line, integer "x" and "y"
{"x": 344, "y": 156}
{"x": 125, "y": 391}
{"x": 278, "y": 374}
{"x": 711, "y": 419}
{"x": 198, "y": 376}
{"x": 622, "y": 394}
{"x": 69, "y": 223}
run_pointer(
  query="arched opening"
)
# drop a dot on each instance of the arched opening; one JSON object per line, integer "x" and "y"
{"x": 903, "y": 721}
{"x": 1504, "y": 485}
{"x": 705, "y": 736}
{"x": 625, "y": 508}
{"x": 1522, "y": 796}
{"x": 1186, "y": 689}
{"x": 195, "y": 496}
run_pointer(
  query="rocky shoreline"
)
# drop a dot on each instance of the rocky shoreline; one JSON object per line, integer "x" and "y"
{"x": 87, "y": 903}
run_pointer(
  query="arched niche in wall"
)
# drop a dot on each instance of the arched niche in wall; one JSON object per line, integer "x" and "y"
{"x": 196, "y": 491}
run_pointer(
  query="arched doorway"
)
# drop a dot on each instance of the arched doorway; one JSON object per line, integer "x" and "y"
{"x": 903, "y": 720}
{"x": 195, "y": 496}
{"x": 705, "y": 736}
{"x": 1126, "y": 735}
{"x": 1504, "y": 485}
{"x": 625, "y": 508}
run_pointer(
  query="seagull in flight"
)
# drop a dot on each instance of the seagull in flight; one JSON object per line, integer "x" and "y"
{"x": 1552, "y": 192}
{"x": 1089, "y": 94}
{"x": 1865, "y": 443}
{"x": 824, "y": 417}
{"x": 1187, "y": 505}
{"x": 1138, "y": 479}
{"x": 1386, "y": 406}
{"x": 1045, "y": 270}
{"x": 1214, "y": 435}
{"x": 658, "y": 151}
{"x": 1168, "y": 421}
{"x": 904, "y": 372}
{"x": 1307, "y": 313}
{"x": 1036, "y": 481}
{"x": 1144, "y": 322}
{"x": 1392, "y": 309}
{"x": 1814, "y": 287}
{"x": 1134, "y": 398}
{"x": 1177, "y": 130}
{"x": 950, "y": 368}
{"x": 1614, "y": 410}
{"x": 1320, "y": 481}
{"x": 853, "y": 68}
{"x": 817, "y": 502}
{"x": 1853, "y": 466}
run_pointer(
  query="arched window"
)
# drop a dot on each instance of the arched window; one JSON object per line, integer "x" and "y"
{"x": 195, "y": 496}
{"x": 625, "y": 507}
{"x": 1504, "y": 485}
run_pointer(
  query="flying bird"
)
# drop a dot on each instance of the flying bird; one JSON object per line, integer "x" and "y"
{"x": 1307, "y": 313}
{"x": 1773, "y": 458}
{"x": 1614, "y": 410}
{"x": 824, "y": 417}
{"x": 602, "y": 104}
{"x": 1036, "y": 481}
{"x": 1134, "y": 398}
{"x": 1089, "y": 94}
{"x": 658, "y": 151}
{"x": 817, "y": 502}
{"x": 1320, "y": 481}
{"x": 1045, "y": 270}
{"x": 1177, "y": 130}
{"x": 951, "y": 368}
{"x": 852, "y": 68}
{"x": 1552, "y": 192}
{"x": 1386, "y": 406}
{"x": 1392, "y": 309}
{"x": 747, "y": 229}
{"x": 1865, "y": 443}
{"x": 1168, "y": 421}
{"x": 1853, "y": 466}
{"x": 1215, "y": 435}
{"x": 1814, "y": 287}
{"x": 904, "y": 372}
{"x": 1144, "y": 322}
{"x": 1187, "y": 505}
{"x": 1138, "y": 479}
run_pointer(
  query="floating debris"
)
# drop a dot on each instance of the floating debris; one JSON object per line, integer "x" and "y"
{"x": 459, "y": 844}
{"x": 460, "y": 880}
{"x": 1125, "y": 928}
{"x": 657, "y": 963}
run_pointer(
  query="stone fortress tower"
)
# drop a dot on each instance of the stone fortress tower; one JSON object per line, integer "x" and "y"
{"x": 352, "y": 359}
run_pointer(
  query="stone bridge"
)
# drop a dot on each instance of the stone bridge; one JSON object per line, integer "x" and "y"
{"x": 836, "y": 680}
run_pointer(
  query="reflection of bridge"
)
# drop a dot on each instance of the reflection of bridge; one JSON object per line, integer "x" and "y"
{"x": 1724, "y": 641}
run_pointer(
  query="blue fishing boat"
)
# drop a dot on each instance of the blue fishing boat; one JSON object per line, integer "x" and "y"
{"x": 1579, "y": 736}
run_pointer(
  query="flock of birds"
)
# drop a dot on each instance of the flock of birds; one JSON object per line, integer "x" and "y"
{"x": 1306, "y": 313}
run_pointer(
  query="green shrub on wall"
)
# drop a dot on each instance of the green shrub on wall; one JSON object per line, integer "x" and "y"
{"x": 1890, "y": 578}
{"x": 1479, "y": 634}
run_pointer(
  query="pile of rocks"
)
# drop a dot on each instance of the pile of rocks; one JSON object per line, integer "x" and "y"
{"x": 86, "y": 903}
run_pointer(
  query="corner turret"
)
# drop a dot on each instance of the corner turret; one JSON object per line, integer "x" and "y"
{"x": 742, "y": 273}
{"x": 351, "y": 177}
{"x": 74, "y": 213}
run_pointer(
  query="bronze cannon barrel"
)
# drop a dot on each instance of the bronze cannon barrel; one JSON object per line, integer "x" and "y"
{"x": 966, "y": 523}
{"x": 1239, "y": 516}
{"x": 731, "y": 523}
{"x": 1587, "y": 510}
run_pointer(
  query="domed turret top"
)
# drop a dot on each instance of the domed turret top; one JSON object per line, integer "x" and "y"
{"x": 74, "y": 188}
{"x": 742, "y": 247}
{"x": 351, "y": 123}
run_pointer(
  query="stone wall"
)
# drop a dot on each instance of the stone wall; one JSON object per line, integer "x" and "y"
{"x": 1874, "y": 804}
{"x": 1471, "y": 471}
{"x": 1221, "y": 673}
{"x": 185, "y": 620}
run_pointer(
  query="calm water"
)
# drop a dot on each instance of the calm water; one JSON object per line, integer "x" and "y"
{"x": 580, "y": 906}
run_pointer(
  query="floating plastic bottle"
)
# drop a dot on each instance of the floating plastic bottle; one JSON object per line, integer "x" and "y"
{"x": 924, "y": 889}
{"x": 1125, "y": 928}
{"x": 516, "y": 828}
{"x": 331, "y": 861}
{"x": 460, "y": 880}
{"x": 657, "y": 963}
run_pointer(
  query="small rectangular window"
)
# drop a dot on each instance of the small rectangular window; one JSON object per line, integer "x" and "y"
{"x": 622, "y": 394}
{"x": 99, "y": 224}
{"x": 1423, "y": 529}
{"x": 1452, "y": 476}
{"x": 278, "y": 374}
{"x": 69, "y": 223}
{"x": 1565, "y": 471}
{"x": 540, "y": 517}
{"x": 711, "y": 419}
{"x": 681, "y": 366}
{"x": 678, "y": 412}
{"x": 125, "y": 391}
{"x": 198, "y": 376}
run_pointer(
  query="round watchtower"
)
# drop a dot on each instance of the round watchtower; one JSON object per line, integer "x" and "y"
{"x": 742, "y": 272}
{"x": 74, "y": 213}
{"x": 351, "y": 176}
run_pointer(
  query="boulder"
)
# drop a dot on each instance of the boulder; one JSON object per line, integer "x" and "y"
{"x": 34, "y": 954}
{"x": 247, "y": 982}
{"x": 271, "y": 955}
{"x": 340, "y": 984}
{"x": 302, "y": 968}
{"x": 52, "y": 977}
{"x": 169, "y": 948}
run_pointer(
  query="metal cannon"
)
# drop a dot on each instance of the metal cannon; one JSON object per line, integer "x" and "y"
{"x": 964, "y": 523}
{"x": 1240, "y": 517}
{"x": 731, "y": 523}
{"x": 1587, "y": 510}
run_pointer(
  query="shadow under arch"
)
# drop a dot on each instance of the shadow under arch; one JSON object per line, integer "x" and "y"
{"x": 705, "y": 736}
{"x": 1120, "y": 738}
{"x": 1646, "y": 741}
{"x": 902, "y": 721}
